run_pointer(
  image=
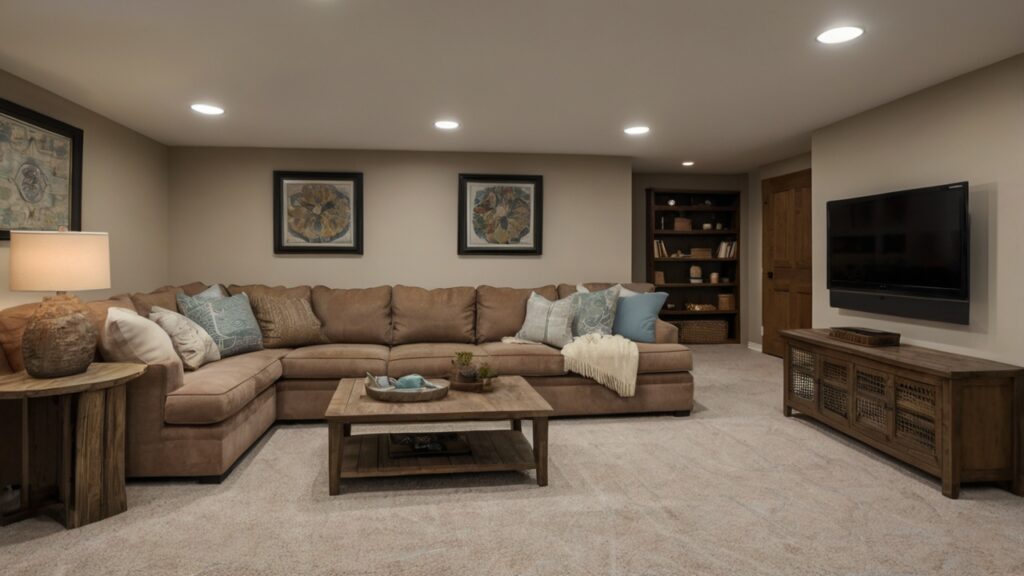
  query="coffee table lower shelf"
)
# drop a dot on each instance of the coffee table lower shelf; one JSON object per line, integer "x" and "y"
{"x": 367, "y": 456}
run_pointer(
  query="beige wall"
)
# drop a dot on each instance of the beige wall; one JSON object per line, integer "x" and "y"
{"x": 752, "y": 271}
{"x": 970, "y": 128}
{"x": 221, "y": 219}
{"x": 124, "y": 192}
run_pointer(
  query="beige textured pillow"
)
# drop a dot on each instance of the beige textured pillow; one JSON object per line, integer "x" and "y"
{"x": 286, "y": 322}
{"x": 128, "y": 337}
{"x": 193, "y": 345}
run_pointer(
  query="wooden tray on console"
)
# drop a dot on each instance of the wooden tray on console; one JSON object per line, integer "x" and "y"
{"x": 864, "y": 336}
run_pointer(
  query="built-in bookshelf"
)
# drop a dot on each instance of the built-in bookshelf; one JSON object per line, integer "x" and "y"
{"x": 688, "y": 228}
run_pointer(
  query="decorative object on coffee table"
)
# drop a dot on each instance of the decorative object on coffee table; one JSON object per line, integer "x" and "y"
{"x": 384, "y": 389}
{"x": 369, "y": 455}
{"x": 464, "y": 372}
{"x": 486, "y": 375}
{"x": 60, "y": 339}
{"x": 865, "y": 336}
{"x": 318, "y": 212}
{"x": 500, "y": 214}
{"x": 72, "y": 443}
{"x": 41, "y": 160}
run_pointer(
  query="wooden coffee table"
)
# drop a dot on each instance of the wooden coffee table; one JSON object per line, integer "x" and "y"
{"x": 367, "y": 455}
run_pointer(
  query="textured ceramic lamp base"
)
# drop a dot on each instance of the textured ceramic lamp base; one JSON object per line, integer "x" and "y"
{"x": 60, "y": 339}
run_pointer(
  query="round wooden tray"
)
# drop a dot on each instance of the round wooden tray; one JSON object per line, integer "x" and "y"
{"x": 409, "y": 395}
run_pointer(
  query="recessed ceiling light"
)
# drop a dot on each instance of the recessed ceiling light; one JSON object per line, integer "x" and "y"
{"x": 840, "y": 34}
{"x": 446, "y": 124}
{"x": 689, "y": 163}
{"x": 637, "y": 130}
{"x": 208, "y": 109}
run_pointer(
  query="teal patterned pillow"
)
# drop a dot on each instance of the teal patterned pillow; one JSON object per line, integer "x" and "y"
{"x": 595, "y": 311}
{"x": 229, "y": 321}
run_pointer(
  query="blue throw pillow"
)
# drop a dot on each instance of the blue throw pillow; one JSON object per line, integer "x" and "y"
{"x": 636, "y": 316}
{"x": 229, "y": 321}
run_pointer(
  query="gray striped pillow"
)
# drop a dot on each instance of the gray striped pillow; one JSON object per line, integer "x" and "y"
{"x": 548, "y": 322}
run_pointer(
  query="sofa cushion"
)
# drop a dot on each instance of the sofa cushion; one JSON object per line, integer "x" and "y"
{"x": 548, "y": 322}
{"x": 658, "y": 358}
{"x": 439, "y": 315}
{"x": 636, "y": 317}
{"x": 335, "y": 361}
{"x": 190, "y": 289}
{"x": 128, "y": 337}
{"x": 286, "y": 322}
{"x": 524, "y": 359}
{"x": 500, "y": 312}
{"x": 430, "y": 360}
{"x": 257, "y": 290}
{"x": 12, "y": 327}
{"x": 229, "y": 321}
{"x": 565, "y": 290}
{"x": 194, "y": 346}
{"x": 98, "y": 309}
{"x": 595, "y": 311}
{"x": 220, "y": 389}
{"x": 354, "y": 316}
{"x": 163, "y": 298}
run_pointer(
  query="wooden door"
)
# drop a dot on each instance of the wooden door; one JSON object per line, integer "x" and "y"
{"x": 786, "y": 258}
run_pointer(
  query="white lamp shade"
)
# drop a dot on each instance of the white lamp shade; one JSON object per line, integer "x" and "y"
{"x": 59, "y": 261}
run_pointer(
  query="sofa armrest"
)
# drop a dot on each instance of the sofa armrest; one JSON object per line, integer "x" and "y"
{"x": 666, "y": 332}
{"x": 148, "y": 393}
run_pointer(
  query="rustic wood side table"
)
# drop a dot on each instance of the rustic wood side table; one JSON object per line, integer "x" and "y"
{"x": 72, "y": 443}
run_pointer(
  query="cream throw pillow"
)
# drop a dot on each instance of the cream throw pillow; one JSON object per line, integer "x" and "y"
{"x": 128, "y": 337}
{"x": 193, "y": 345}
{"x": 548, "y": 322}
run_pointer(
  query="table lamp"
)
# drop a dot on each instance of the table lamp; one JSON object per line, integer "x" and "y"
{"x": 60, "y": 338}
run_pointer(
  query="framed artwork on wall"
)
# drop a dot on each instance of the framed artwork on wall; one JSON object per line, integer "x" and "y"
{"x": 40, "y": 172}
{"x": 318, "y": 212}
{"x": 500, "y": 214}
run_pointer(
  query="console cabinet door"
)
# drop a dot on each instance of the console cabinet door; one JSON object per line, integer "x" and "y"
{"x": 917, "y": 417}
{"x": 872, "y": 402}
{"x": 835, "y": 375}
{"x": 802, "y": 379}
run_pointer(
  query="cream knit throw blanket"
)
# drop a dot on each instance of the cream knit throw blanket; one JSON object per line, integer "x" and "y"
{"x": 609, "y": 360}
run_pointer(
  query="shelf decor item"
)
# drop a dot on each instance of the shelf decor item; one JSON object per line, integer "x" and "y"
{"x": 41, "y": 162}
{"x": 696, "y": 275}
{"x": 726, "y": 301}
{"x": 318, "y": 212}
{"x": 703, "y": 331}
{"x": 60, "y": 338}
{"x": 680, "y": 224}
{"x": 659, "y": 277}
{"x": 500, "y": 214}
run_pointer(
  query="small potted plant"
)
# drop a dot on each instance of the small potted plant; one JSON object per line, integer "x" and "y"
{"x": 486, "y": 374}
{"x": 463, "y": 369}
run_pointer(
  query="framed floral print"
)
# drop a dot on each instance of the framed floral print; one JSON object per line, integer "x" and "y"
{"x": 500, "y": 215}
{"x": 318, "y": 212}
{"x": 40, "y": 172}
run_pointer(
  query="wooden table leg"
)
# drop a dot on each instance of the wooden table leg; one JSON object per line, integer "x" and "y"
{"x": 517, "y": 425}
{"x": 540, "y": 449}
{"x": 951, "y": 440}
{"x": 334, "y": 447}
{"x": 89, "y": 444}
{"x": 26, "y": 474}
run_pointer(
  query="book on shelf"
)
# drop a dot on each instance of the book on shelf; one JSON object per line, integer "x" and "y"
{"x": 660, "y": 251}
{"x": 726, "y": 249}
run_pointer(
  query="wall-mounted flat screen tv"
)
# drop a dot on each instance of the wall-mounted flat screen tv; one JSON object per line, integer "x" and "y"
{"x": 912, "y": 245}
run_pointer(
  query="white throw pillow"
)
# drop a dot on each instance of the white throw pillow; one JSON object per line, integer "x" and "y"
{"x": 548, "y": 322}
{"x": 193, "y": 345}
{"x": 623, "y": 291}
{"x": 128, "y": 337}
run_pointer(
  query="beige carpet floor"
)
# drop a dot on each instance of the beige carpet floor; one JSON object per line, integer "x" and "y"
{"x": 733, "y": 489}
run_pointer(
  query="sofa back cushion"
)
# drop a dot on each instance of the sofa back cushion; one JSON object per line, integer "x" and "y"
{"x": 165, "y": 298}
{"x": 439, "y": 315}
{"x": 259, "y": 290}
{"x": 500, "y": 312}
{"x": 354, "y": 316}
{"x": 565, "y": 290}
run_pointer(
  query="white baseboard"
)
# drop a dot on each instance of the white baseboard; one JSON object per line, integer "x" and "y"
{"x": 754, "y": 346}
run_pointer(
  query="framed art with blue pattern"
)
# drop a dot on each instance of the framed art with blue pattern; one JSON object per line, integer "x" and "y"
{"x": 500, "y": 214}
{"x": 318, "y": 212}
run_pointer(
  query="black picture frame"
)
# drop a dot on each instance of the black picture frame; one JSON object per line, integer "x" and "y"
{"x": 46, "y": 123}
{"x": 537, "y": 224}
{"x": 283, "y": 247}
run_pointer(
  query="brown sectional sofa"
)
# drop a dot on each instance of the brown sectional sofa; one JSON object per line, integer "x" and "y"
{"x": 200, "y": 423}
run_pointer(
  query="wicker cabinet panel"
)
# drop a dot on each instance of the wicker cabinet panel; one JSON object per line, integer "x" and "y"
{"x": 871, "y": 393}
{"x": 835, "y": 402}
{"x": 802, "y": 377}
{"x": 917, "y": 410}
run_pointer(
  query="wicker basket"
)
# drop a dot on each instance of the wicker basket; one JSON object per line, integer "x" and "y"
{"x": 703, "y": 331}
{"x": 726, "y": 301}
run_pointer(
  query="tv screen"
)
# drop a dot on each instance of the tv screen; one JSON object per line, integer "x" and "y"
{"x": 913, "y": 242}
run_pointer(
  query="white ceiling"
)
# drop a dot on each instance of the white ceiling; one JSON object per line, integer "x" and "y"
{"x": 730, "y": 84}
